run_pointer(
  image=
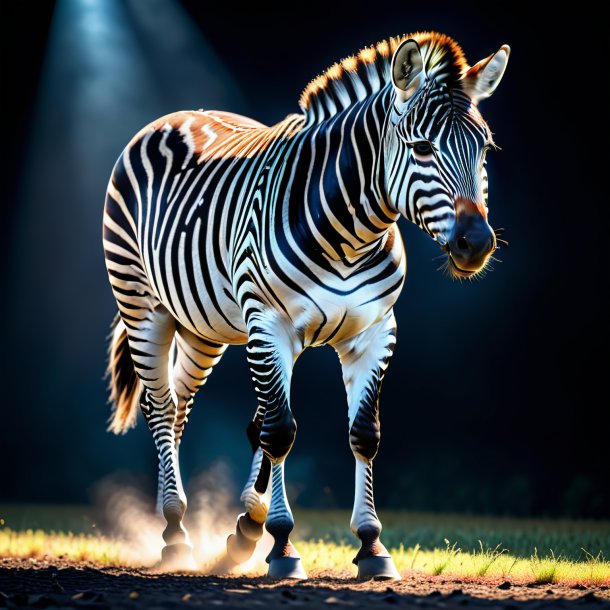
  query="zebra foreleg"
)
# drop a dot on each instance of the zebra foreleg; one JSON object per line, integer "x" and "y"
{"x": 272, "y": 351}
{"x": 364, "y": 359}
{"x": 255, "y": 492}
{"x": 249, "y": 528}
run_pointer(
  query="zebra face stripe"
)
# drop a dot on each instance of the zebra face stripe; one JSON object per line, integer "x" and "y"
{"x": 435, "y": 148}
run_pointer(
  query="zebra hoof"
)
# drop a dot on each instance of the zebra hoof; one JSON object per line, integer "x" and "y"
{"x": 377, "y": 568}
{"x": 177, "y": 557}
{"x": 286, "y": 567}
{"x": 239, "y": 548}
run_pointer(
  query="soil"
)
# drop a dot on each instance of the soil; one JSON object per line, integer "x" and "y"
{"x": 53, "y": 583}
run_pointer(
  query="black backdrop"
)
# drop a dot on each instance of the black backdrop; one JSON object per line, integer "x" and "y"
{"x": 496, "y": 399}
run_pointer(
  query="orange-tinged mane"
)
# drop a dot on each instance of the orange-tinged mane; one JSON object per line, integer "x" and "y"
{"x": 357, "y": 76}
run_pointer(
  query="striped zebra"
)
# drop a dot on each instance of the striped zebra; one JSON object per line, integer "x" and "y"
{"x": 219, "y": 230}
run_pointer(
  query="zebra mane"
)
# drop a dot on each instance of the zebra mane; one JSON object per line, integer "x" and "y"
{"x": 357, "y": 76}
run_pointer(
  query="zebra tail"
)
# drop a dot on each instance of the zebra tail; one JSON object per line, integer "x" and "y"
{"x": 124, "y": 385}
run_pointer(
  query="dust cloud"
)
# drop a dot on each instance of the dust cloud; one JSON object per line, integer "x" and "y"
{"x": 128, "y": 516}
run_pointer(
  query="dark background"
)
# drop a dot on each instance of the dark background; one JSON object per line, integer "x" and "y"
{"x": 496, "y": 400}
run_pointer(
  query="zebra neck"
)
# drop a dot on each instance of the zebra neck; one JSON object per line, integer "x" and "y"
{"x": 345, "y": 208}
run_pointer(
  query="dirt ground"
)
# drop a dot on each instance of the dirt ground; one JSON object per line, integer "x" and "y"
{"x": 53, "y": 583}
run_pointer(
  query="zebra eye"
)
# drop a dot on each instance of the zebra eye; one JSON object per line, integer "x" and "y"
{"x": 423, "y": 147}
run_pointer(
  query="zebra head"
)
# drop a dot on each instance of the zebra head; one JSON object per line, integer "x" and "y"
{"x": 435, "y": 146}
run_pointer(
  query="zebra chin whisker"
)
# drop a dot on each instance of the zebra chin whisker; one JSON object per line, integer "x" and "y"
{"x": 447, "y": 269}
{"x": 497, "y": 233}
{"x": 450, "y": 269}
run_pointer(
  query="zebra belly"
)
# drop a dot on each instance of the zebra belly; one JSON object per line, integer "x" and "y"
{"x": 335, "y": 319}
{"x": 228, "y": 328}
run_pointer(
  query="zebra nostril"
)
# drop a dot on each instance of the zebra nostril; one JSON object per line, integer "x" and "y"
{"x": 462, "y": 243}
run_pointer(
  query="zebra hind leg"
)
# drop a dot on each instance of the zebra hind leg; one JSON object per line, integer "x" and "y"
{"x": 150, "y": 339}
{"x": 193, "y": 361}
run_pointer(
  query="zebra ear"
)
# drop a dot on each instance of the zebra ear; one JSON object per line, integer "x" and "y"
{"x": 481, "y": 80}
{"x": 407, "y": 69}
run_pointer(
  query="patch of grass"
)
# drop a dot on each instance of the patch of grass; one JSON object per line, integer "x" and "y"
{"x": 320, "y": 556}
{"x": 451, "y": 561}
{"x": 545, "y": 568}
{"x": 485, "y": 558}
{"x": 416, "y": 550}
{"x": 566, "y": 537}
{"x": 79, "y": 547}
{"x": 462, "y": 547}
{"x": 595, "y": 568}
{"x": 441, "y": 558}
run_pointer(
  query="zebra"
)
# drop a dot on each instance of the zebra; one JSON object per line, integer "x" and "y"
{"x": 219, "y": 230}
